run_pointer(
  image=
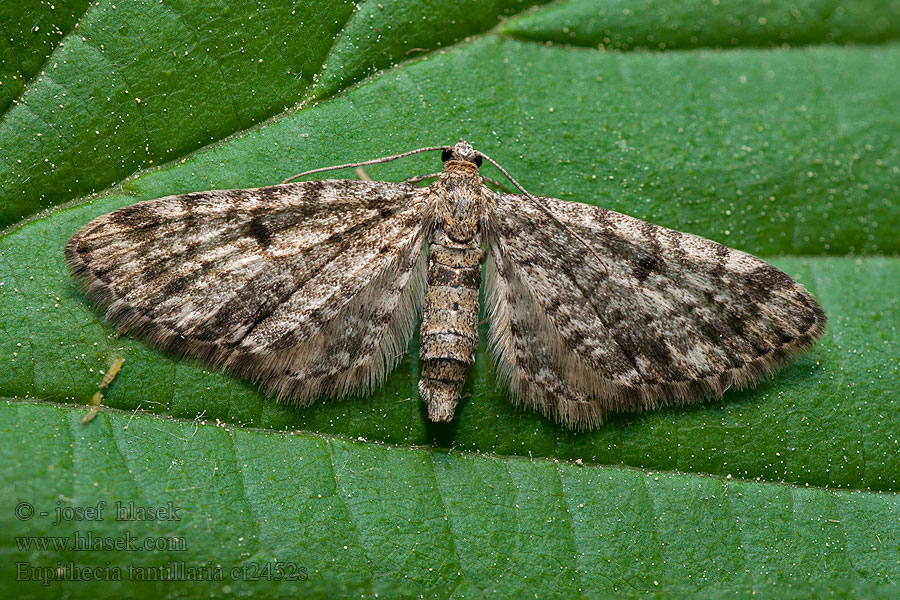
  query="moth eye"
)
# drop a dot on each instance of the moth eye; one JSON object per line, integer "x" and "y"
{"x": 446, "y": 154}
{"x": 478, "y": 160}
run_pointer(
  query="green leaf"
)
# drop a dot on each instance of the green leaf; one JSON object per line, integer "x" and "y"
{"x": 365, "y": 518}
{"x": 137, "y": 84}
{"x": 783, "y": 152}
{"x": 662, "y": 25}
{"x": 32, "y": 29}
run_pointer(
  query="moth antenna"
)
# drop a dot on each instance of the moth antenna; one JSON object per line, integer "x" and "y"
{"x": 549, "y": 213}
{"x": 374, "y": 161}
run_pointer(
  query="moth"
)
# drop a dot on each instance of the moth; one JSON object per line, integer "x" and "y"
{"x": 313, "y": 289}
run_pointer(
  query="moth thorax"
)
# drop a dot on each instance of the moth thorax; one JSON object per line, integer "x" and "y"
{"x": 459, "y": 209}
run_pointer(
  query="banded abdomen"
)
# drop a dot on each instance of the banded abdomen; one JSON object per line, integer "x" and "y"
{"x": 449, "y": 334}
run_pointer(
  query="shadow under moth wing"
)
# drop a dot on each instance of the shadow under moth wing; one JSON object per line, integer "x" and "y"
{"x": 311, "y": 289}
{"x": 668, "y": 318}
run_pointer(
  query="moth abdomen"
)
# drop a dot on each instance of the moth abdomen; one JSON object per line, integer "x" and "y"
{"x": 449, "y": 326}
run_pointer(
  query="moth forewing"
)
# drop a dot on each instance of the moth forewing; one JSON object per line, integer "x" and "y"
{"x": 313, "y": 289}
{"x": 306, "y": 288}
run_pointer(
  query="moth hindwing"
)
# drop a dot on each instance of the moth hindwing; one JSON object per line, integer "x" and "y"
{"x": 313, "y": 289}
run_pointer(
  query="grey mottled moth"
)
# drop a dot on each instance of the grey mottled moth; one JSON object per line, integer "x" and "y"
{"x": 313, "y": 289}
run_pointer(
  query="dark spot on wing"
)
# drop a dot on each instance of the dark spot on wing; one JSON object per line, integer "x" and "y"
{"x": 153, "y": 270}
{"x": 576, "y": 338}
{"x": 260, "y": 232}
{"x": 190, "y": 221}
{"x": 811, "y": 315}
{"x": 735, "y": 322}
{"x": 722, "y": 254}
{"x": 186, "y": 202}
{"x": 188, "y": 199}
{"x": 313, "y": 188}
{"x": 269, "y": 194}
{"x": 674, "y": 238}
{"x": 553, "y": 304}
{"x": 762, "y": 282}
{"x": 602, "y": 216}
{"x": 633, "y": 345}
{"x": 649, "y": 231}
{"x": 172, "y": 286}
{"x": 134, "y": 216}
{"x": 644, "y": 266}
{"x": 771, "y": 278}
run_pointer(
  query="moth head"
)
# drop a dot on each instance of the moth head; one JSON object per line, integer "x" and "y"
{"x": 462, "y": 151}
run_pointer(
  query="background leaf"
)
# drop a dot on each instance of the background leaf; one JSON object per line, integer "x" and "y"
{"x": 366, "y": 518}
{"x": 135, "y": 84}
{"x": 781, "y": 151}
{"x": 661, "y": 25}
